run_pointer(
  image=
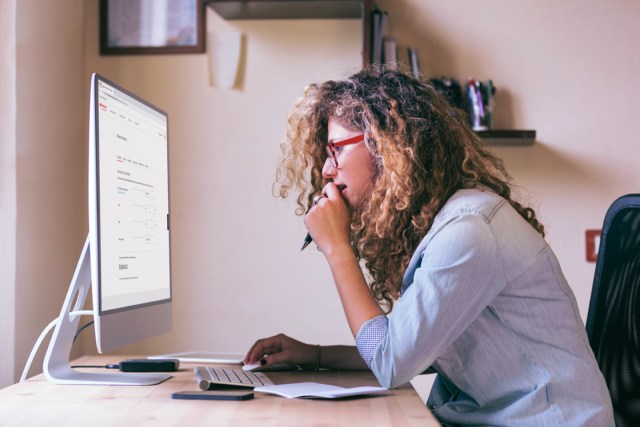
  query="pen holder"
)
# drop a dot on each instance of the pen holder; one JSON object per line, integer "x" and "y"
{"x": 480, "y": 103}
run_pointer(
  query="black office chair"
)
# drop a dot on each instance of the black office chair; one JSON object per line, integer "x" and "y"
{"x": 613, "y": 321}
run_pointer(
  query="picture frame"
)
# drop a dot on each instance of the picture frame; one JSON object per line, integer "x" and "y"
{"x": 138, "y": 27}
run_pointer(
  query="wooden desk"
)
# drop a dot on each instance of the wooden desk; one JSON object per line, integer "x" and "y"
{"x": 37, "y": 402}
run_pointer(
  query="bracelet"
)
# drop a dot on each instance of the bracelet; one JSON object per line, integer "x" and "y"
{"x": 317, "y": 358}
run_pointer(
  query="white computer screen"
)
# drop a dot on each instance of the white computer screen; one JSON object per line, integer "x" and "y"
{"x": 133, "y": 195}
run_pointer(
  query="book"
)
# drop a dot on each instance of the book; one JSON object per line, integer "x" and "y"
{"x": 376, "y": 47}
{"x": 413, "y": 62}
{"x": 311, "y": 390}
{"x": 380, "y": 29}
{"x": 390, "y": 54}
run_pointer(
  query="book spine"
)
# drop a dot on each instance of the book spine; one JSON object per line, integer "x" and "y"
{"x": 413, "y": 62}
{"x": 390, "y": 52}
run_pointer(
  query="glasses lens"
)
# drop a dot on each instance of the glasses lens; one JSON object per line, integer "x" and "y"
{"x": 331, "y": 154}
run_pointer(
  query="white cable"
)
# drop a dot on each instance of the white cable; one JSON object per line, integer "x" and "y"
{"x": 42, "y": 336}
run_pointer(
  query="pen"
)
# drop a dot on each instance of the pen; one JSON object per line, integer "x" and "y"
{"x": 309, "y": 239}
{"x": 306, "y": 242}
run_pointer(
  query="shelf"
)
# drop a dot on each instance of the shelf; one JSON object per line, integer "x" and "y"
{"x": 299, "y": 9}
{"x": 287, "y": 9}
{"x": 507, "y": 137}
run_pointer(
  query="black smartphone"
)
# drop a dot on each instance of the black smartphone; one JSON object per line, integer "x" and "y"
{"x": 213, "y": 395}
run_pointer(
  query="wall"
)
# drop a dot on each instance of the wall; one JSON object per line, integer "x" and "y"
{"x": 238, "y": 273}
{"x": 7, "y": 190}
{"x": 49, "y": 161}
{"x": 567, "y": 69}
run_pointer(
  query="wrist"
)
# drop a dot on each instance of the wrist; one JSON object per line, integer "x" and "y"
{"x": 316, "y": 361}
{"x": 338, "y": 252}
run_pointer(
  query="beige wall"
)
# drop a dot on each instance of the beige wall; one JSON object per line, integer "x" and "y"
{"x": 43, "y": 150}
{"x": 7, "y": 190}
{"x": 567, "y": 69}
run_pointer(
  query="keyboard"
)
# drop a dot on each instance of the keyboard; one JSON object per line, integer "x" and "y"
{"x": 208, "y": 376}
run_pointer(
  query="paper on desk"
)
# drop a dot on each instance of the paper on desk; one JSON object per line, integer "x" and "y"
{"x": 317, "y": 390}
{"x": 204, "y": 357}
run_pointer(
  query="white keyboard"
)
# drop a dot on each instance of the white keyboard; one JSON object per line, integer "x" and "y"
{"x": 208, "y": 376}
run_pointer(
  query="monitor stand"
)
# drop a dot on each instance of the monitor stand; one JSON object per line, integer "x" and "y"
{"x": 56, "y": 361}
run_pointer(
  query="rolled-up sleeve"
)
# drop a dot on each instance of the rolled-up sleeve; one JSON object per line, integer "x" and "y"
{"x": 371, "y": 334}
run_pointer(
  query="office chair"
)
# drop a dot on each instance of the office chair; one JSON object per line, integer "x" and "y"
{"x": 613, "y": 321}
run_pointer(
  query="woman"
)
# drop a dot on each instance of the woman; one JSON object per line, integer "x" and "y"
{"x": 390, "y": 174}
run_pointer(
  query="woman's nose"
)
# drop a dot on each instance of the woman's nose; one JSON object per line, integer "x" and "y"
{"x": 328, "y": 171}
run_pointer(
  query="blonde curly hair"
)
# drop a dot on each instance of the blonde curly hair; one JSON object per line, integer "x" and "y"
{"x": 423, "y": 151}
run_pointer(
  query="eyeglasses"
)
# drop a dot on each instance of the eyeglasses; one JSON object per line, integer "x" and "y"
{"x": 334, "y": 148}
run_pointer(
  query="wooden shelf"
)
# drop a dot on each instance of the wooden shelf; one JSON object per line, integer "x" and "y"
{"x": 299, "y": 9}
{"x": 507, "y": 137}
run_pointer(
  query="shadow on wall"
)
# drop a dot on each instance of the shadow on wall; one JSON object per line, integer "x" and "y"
{"x": 545, "y": 167}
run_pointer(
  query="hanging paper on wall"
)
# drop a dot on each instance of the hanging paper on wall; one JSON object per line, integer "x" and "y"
{"x": 224, "y": 58}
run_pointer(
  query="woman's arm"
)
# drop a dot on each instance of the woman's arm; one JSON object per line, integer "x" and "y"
{"x": 357, "y": 302}
{"x": 341, "y": 357}
{"x": 328, "y": 223}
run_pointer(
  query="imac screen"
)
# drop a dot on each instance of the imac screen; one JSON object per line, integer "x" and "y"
{"x": 133, "y": 200}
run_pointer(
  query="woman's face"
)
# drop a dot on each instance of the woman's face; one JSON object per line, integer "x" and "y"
{"x": 354, "y": 174}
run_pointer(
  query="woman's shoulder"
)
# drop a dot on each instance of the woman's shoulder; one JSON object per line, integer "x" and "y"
{"x": 466, "y": 211}
{"x": 475, "y": 201}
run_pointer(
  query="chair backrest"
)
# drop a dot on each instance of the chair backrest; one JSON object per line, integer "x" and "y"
{"x": 613, "y": 321}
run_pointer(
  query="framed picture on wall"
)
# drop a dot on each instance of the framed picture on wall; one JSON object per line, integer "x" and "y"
{"x": 132, "y": 27}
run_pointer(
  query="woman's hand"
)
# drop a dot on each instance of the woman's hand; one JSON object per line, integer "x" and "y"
{"x": 328, "y": 220}
{"x": 281, "y": 349}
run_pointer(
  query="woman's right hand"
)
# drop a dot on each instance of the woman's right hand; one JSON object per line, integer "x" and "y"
{"x": 328, "y": 220}
{"x": 281, "y": 349}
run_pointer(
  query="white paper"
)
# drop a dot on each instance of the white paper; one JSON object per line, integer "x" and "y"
{"x": 317, "y": 390}
{"x": 204, "y": 357}
{"x": 224, "y": 57}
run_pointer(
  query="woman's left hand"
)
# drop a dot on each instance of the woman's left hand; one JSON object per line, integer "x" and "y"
{"x": 281, "y": 349}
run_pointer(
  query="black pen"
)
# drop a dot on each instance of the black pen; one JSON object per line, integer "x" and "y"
{"x": 306, "y": 242}
{"x": 309, "y": 239}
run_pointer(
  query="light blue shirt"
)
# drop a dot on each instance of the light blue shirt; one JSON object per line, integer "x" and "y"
{"x": 485, "y": 304}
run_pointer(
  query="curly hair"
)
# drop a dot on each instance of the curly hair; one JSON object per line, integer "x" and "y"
{"x": 423, "y": 149}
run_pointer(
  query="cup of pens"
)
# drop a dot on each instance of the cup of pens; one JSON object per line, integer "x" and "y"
{"x": 480, "y": 103}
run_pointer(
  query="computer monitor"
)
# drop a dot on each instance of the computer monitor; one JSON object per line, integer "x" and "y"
{"x": 126, "y": 258}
